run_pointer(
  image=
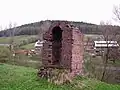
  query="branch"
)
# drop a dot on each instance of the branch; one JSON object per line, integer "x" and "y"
{"x": 116, "y": 12}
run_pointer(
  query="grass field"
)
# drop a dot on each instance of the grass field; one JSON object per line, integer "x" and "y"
{"x": 17, "y": 39}
{"x": 28, "y": 46}
{"x": 23, "y": 41}
{"x": 33, "y": 61}
{"x": 91, "y": 36}
{"x": 24, "y": 78}
{"x": 20, "y": 41}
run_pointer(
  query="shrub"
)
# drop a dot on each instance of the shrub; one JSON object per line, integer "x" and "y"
{"x": 4, "y": 54}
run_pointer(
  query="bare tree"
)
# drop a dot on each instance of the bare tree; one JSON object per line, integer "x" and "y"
{"x": 116, "y": 12}
{"x": 0, "y": 28}
{"x": 110, "y": 33}
{"x": 12, "y": 28}
{"x": 11, "y": 41}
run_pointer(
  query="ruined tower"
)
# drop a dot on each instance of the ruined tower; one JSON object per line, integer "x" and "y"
{"x": 63, "y": 47}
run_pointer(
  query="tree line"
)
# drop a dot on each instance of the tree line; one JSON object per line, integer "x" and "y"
{"x": 35, "y": 28}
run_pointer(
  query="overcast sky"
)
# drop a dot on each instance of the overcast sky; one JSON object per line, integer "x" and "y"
{"x": 28, "y": 11}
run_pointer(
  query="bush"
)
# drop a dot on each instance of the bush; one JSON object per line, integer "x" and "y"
{"x": 4, "y": 54}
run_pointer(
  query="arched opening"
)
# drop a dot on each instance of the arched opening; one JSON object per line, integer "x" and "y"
{"x": 57, "y": 34}
{"x": 56, "y": 45}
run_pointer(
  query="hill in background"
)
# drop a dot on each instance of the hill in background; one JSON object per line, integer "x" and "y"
{"x": 40, "y": 27}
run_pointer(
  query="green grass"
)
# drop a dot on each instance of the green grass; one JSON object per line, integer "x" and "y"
{"x": 28, "y": 46}
{"x": 33, "y": 61}
{"x": 24, "y": 41}
{"x": 24, "y": 78}
{"x": 91, "y": 36}
{"x": 17, "y": 39}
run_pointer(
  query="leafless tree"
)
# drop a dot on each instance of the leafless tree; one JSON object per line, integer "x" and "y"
{"x": 12, "y": 27}
{"x": 0, "y": 28}
{"x": 110, "y": 33}
{"x": 116, "y": 12}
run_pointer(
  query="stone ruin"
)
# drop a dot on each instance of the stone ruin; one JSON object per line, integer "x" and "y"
{"x": 63, "y": 48}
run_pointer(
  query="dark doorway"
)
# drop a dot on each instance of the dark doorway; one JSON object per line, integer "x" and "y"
{"x": 56, "y": 45}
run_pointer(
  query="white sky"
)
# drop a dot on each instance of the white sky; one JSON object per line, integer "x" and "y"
{"x": 28, "y": 11}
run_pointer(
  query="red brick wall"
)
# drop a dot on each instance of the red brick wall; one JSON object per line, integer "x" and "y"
{"x": 77, "y": 52}
{"x": 71, "y": 51}
{"x": 47, "y": 53}
{"x": 66, "y": 48}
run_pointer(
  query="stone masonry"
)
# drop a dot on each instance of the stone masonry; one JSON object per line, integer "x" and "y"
{"x": 63, "y": 47}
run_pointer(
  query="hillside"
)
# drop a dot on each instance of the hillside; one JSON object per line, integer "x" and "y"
{"x": 39, "y": 28}
{"x": 24, "y": 78}
{"x": 22, "y": 41}
{"x": 17, "y": 39}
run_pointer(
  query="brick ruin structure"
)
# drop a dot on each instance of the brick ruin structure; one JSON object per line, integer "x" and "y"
{"x": 63, "y": 47}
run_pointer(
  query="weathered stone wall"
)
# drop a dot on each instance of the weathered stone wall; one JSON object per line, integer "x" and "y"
{"x": 77, "y": 52}
{"x": 71, "y": 56}
{"x": 47, "y": 53}
{"x": 66, "y": 47}
{"x": 66, "y": 50}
